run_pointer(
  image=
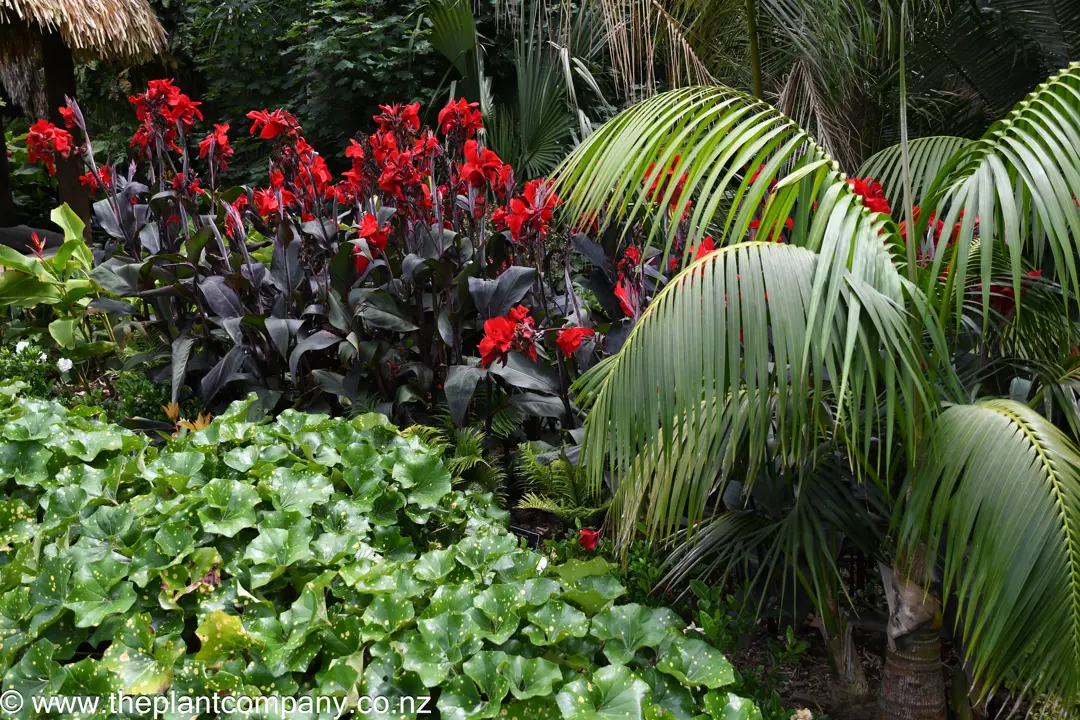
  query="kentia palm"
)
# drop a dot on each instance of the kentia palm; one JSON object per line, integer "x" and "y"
{"x": 840, "y": 353}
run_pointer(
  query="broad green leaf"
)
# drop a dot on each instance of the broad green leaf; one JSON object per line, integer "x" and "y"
{"x": 532, "y": 677}
{"x": 695, "y": 662}
{"x": 97, "y": 592}
{"x": 293, "y": 491}
{"x": 554, "y": 622}
{"x": 35, "y": 675}
{"x": 435, "y": 565}
{"x": 63, "y": 331}
{"x": 625, "y": 629}
{"x": 230, "y": 507}
{"x": 385, "y": 615}
{"x": 728, "y": 706}
{"x": 424, "y": 478}
{"x": 221, "y": 636}
{"x": 592, "y": 593}
{"x": 612, "y": 693}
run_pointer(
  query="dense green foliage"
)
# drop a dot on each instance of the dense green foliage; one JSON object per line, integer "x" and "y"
{"x": 309, "y": 556}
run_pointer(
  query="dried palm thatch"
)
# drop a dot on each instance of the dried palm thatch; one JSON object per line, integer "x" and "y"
{"x": 24, "y": 80}
{"x": 93, "y": 29}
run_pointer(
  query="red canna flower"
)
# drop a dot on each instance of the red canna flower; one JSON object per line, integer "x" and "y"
{"x": 274, "y": 123}
{"x": 570, "y": 339}
{"x": 587, "y": 539}
{"x": 659, "y": 187}
{"x": 217, "y": 145}
{"x": 45, "y": 141}
{"x": 266, "y": 203}
{"x": 370, "y": 231}
{"x": 461, "y": 117}
{"x": 871, "y": 193}
{"x": 628, "y": 296}
{"x": 89, "y": 180}
{"x": 392, "y": 117}
{"x": 498, "y": 336}
{"x": 481, "y": 167}
{"x": 69, "y": 116}
{"x": 529, "y": 216}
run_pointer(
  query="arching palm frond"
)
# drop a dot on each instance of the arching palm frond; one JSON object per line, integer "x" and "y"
{"x": 928, "y": 155}
{"x": 819, "y": 326}
{"x": 767, "y": 320}
{"x": 999, "y": 494}
{"x": 1018, "y": 186}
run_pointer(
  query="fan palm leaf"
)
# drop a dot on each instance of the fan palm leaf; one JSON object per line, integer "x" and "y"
{"x": 998, "y": 492}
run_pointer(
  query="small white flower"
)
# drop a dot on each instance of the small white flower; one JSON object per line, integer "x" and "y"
{"x": 803, "y": 714}
{"x": 64, "y": 364}
{"x": 21, "y": 345}
{"x": 41, "y": 357}
{"x": 542, "y": 565}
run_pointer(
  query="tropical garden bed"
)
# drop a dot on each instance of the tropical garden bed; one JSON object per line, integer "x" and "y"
{"x": 667, "y": 417}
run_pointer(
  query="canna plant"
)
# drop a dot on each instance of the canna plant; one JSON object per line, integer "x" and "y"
{"x": 423, "y": 281}
{"x": 840, "y": 379}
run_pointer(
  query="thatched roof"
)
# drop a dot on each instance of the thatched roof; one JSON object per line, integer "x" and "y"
{"x": 104, "y": 29}
{"x": 24, "y": 81}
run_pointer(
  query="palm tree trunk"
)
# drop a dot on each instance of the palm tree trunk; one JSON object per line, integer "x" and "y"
{"x": 912, "y": 684}
{"x": 851, "y": 687}
{"x": 60, "y": 83}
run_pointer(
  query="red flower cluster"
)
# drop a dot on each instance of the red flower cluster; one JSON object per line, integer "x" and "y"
{"x": 272, "y": 124}
{"x": 216, "y": 147}
{"x": 570, "y": 339}
{"x": 397, "y": 118}
{"x": 45, "y": 141}
{"x": 515, "y": 330}
{"x": 298, "y": 172}
{"x": 376, "y": 238}
{"x": 90, "y": 180}
{"x": 662, "y": 180}
{"x": 872, "y": 195}
{"x": 461, "y": 118}
{"x": 162, "y": 109}
{"x": 529, "y": 216}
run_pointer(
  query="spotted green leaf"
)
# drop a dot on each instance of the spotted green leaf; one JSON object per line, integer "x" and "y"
{"x": 628, "y": 628}
{"x": 532, "y": 677}
{"x": 695, "y": 662}
{"x": 221, "y": 636}
{"x": 556, "y": 621}
{"x": 613, "y": 692}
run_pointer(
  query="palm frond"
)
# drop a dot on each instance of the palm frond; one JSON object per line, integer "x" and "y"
{"x": 1017, "y": 186}
{"x": 776, "y": 323}
{"x": 928, "y": 156}
{"x": 998, "y": 491}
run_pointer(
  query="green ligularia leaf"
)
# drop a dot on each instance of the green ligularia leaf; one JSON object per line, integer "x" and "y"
{"x": 98, "y": 592}
{"x": 531, "y": 677}
{"x": 35, "y": 675}
{"x": 293, "y": 491}
{"x": 385, "y": 615}
{"x": 230, "y": 507}
{"x": 695, "y": 662}
{"x": 574, "y": 569}
{"x": 425, "y": 479}
{"x": 442, "y": 641}
{"x": 221, "y": 636}
{"x": 628, "y": 628}
{"x": 486, "y": 670}
{"x": 612, "y": 693}
{"x": 727, "y": 706}
{"x": 435, "y": 565}
{"x": 554, "y": 622}
{"x": 16, "y": 522}
{"x": 592, "y": 593}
